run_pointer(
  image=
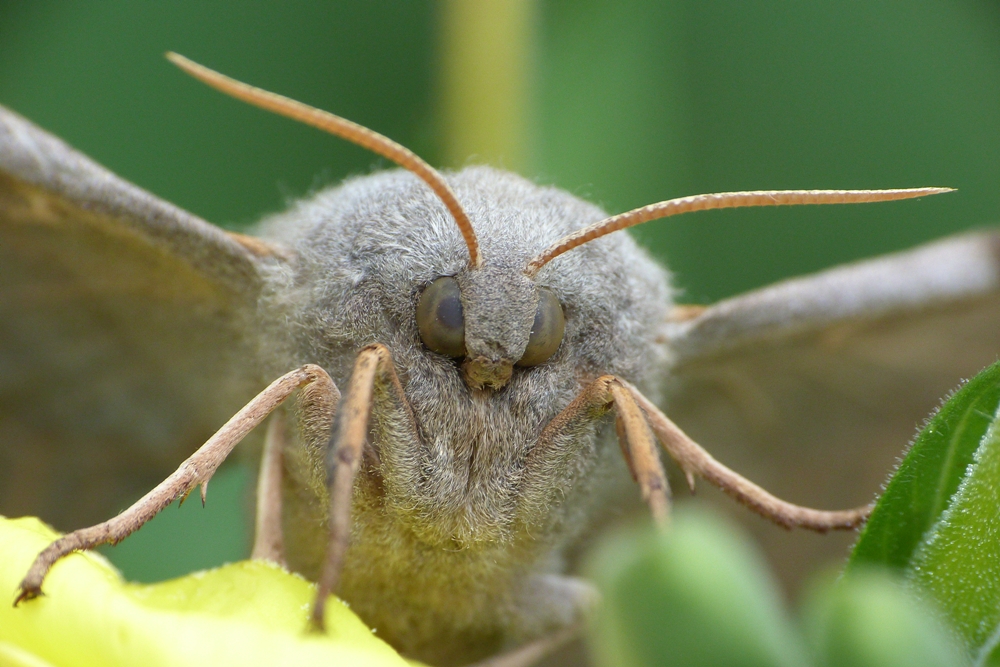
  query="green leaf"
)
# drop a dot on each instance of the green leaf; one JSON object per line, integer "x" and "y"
{"x": 939, "y": 520}
{"x": 929, "y": 476}
{"x": 698, "y": 594}
{"x": 958, "y": 562}
{"x": 249, "y": 613}
{"x": 869, "y": 619}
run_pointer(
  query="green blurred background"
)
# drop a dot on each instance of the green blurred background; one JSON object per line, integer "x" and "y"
{"x": 624, "y": 103}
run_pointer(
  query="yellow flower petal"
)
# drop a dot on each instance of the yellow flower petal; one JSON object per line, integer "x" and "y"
{"x": 248, "y": 613}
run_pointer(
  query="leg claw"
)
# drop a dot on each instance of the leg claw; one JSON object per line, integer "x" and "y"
{"x": 26, "y": 592}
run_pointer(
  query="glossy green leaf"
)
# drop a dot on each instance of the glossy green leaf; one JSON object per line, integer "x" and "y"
{"x": 869, "y": 619}
{"x": 698, "y": 594}
{"x": 246, "y": 614}
{"x": 929, "y": 476}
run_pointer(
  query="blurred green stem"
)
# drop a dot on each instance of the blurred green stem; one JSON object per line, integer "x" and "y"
{"x": 487, "y": 65}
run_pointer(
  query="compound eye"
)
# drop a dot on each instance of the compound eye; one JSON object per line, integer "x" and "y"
{"x": 546, "y": 330}
{"x": 440, "y": 319}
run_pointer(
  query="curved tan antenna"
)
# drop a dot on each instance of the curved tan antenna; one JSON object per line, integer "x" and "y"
{"x": 670, "y": 207}
{"x": 357, "y": 134}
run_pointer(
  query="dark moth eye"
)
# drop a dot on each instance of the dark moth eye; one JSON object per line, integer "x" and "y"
{"x": 546, "y": 330}
{"x": 439, "y": 318}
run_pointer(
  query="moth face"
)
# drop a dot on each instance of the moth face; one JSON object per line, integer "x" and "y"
{"x": 492, "y": 318}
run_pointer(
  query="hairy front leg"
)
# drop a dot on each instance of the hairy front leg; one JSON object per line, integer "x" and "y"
{"x": 581, "y": 416}
{"x": 268, "y": 537}
{"x": 695, "y": 461}
{"x": 196, "y": 471}
{"x": 299, "y": 461}
{"x": 373, "y": 369}
{"x": 635, "y": 416}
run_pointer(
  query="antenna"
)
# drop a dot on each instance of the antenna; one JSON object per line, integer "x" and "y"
{"x": 345, "y": 129}
{"x": 671, "y": 207}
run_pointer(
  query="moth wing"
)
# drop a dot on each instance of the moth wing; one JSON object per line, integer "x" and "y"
{"x": 123, "y": 331}
{"x": 813, "y": 387}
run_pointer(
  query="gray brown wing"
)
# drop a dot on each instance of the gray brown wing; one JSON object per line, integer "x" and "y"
{"x": 813, "y": 387}
{"x": 123, "y": 324}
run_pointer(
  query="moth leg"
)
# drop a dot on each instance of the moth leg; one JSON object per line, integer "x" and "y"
{"x": 268, "y": 538}
{"x": 694, "y": 460}
{"x": 373, "y": 369}
{"x": 317, "y": 403}
{"x": 643, "y": 457}
{"x": 638, "y": 448}
{"x": 197, "y": 470}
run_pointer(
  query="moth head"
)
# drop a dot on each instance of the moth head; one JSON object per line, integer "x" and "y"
{"x": 493, "y": 315}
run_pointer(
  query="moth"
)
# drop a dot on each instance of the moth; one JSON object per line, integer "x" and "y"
{"x": 461, "y": 371}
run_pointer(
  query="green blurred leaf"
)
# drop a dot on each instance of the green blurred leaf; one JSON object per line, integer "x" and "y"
{"x": 869, "y": 619}
{"x": 696, "y": 595}
{"x": 930, "y": 474}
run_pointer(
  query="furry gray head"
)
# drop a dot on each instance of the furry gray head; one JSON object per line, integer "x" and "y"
{"x": 376, "y": 243}
{"x": 366, "y": 252}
